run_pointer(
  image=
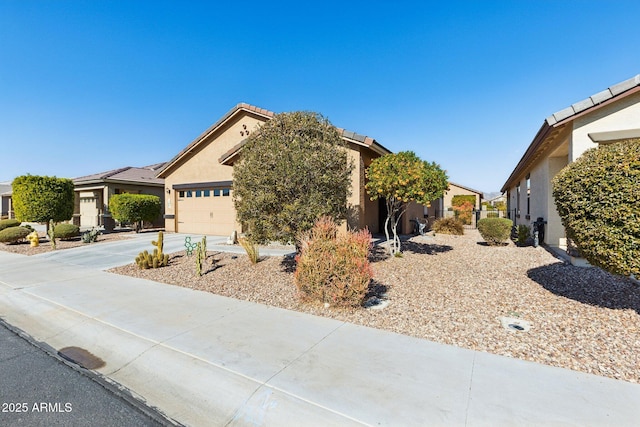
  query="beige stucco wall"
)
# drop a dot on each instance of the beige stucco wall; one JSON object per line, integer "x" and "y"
{"x": 204, "y": 166}
{"x": 541, "y": 198}
{"x": 621, "y": 115}
{"x": 454, "y": 190}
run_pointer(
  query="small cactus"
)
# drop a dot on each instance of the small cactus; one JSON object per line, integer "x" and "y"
{"x": 146, "y": 260}
{"x": 160, "y": 242}
{"x": 52, "y": 234}
{"x": 201, "y": 254}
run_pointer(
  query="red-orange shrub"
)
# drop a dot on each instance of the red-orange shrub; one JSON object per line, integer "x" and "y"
{"x": 463, "y": 212}
{"x": 333, "y": 268}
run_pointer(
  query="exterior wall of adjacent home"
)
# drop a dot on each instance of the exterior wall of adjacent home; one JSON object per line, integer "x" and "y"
{"x": 455, "y": 190}
{"x": 102, "y": 194}
{"x": 6, "y": 207}
{"x": 440, "y": 208}
{"x": 621, "y": 115}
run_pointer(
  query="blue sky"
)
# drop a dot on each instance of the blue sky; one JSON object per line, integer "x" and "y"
{"x": 89, "y": 86}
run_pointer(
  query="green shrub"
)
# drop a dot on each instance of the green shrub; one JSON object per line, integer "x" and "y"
{"x": 135, "y": 208}
{"x": 524, "y": 233}
{"x": 492, "y": 214}
{"x": 6, "y": 223}
{"x": 460, "y": 199}
{"x": 333, "y": 269}
{"x": 495, "y": 230}
{"x": 598, "y": 200}
{"x": 66, "y": 231}
{"x": 13, "y": 234}
{"x": 448, "y": 226}
{"x": 41, "y": 198}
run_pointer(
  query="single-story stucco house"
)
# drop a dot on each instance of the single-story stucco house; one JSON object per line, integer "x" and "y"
{"x": 609, "y": 116}
{"x": 92, "y": 193}
{"x": 443, "y": 207}
{"x": 199, "y": 179}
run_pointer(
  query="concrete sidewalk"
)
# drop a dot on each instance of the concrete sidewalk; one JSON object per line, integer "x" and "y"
{"x": 208, "y": 360}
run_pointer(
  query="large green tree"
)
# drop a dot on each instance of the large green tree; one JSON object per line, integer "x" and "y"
{"x": 399, "y": 179}
{"x": 42, "y": 198}
{"x": 135, "y": 208}
{"x": 292, "y": 171}
{"x": 598, "y": 199}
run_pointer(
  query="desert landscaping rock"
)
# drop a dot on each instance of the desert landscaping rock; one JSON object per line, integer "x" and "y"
{"x": 451, "y": 289}
{"x": 25, "y": 248}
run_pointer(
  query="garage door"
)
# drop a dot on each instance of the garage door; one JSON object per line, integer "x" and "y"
{"x": 206, "y": 211}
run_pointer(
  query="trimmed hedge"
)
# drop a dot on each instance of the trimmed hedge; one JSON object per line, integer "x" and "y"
{"x": 135, "y": 208}
{"x": 598, "y": 199}
{"x": 13, "y": 234}
{"x": 41, "y": 198}
{"x": 6, "y": 223}
{"x": 66, "y": 231}
{"x": 495, "y": 230}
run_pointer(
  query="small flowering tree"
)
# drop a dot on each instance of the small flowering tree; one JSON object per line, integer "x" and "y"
{"x": 399, "y": 179}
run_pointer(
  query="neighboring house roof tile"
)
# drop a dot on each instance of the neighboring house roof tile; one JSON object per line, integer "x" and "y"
{"x": 144, "y": 175}
{"x": 5, "y": 188}
{"x": 348, "y": 135}
{"x": 566, "y": 115}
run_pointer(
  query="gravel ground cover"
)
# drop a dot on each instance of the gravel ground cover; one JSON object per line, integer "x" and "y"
{"x": 454, "y": 290}
{"x": 25, "y": 248}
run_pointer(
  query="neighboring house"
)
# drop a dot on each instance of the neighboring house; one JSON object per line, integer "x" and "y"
{"x": 442, "y": 207}
{"x": 92, "y": 193}
{"x": 5, "y": 195}
{"x": 199, "y": 179}
{"x": 492, "y": 201}
{"x": 606, "y": 117}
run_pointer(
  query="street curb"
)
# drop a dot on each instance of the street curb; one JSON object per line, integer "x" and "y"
{"x": 111, "y": 386}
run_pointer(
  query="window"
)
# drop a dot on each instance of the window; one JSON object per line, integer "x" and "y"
{"x": 226, "y": 191}
{"x": 518, "y": 200}
{"x": 528, "y": 195}
{"x": 181, "y": 194}
{"x": 216, "y": 192}
{"x": 198, "y": 193}
{"x": 207, "y": 193}
{"x": 189, "y": 193}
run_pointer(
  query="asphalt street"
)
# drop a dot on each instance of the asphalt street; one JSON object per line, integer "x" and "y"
{"x": 38, "y": 389}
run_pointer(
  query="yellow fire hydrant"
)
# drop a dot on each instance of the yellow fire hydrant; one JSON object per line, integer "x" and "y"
{"x": 34, "y": 239}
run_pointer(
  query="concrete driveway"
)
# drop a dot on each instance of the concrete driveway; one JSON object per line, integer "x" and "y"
{"x": 106, "y": 255}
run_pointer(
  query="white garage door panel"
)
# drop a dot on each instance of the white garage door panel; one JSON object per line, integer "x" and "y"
{"x": 206, "y": 215}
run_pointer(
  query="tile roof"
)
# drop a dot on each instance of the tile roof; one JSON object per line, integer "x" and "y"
{"x": 594, "y": 100}
{"x": 143, "y": 175}
{"x": 5, "y": 188}
{"x": 464, "y": 187}
{"x": 348, "y": 135}
{"x": 555, "y": 122}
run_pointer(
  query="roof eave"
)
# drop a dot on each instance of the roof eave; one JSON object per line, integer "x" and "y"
{"x": 203, "y": 136}
{"x": 542, "y": 134}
